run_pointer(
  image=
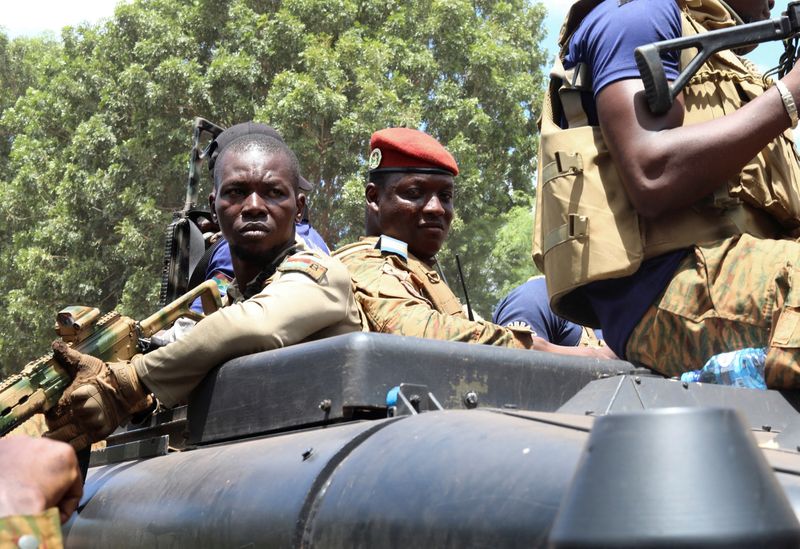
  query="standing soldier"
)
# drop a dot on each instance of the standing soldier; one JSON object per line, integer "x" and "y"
{"x": 409, "y": 210}
{"x": 674, "y": 232}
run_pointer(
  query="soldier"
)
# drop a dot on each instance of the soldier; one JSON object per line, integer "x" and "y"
{"x": 40, "y": 487}
{"x": 409, "y": 210}
{"x": 673, "y": 232}
{"x": 282, "y": 294}
{"x": 216, "y": 263}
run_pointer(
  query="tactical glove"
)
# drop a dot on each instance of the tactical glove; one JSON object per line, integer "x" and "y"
{"x": 100, "y": 398}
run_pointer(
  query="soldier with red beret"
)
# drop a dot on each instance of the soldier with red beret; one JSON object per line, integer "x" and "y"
{"x": 410, "y": 205}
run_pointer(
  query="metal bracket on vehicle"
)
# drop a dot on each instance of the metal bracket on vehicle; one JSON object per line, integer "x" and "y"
{"x": 139, "y": 449}
{"x": 409, "y": 399}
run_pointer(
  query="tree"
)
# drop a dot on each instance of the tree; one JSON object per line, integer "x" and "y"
{"x": 95, "y": 132}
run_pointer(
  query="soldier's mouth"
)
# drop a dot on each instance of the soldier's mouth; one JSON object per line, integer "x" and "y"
{"x": 254, "y": 229}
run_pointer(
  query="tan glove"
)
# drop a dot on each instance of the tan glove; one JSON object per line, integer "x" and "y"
{"x": 100, "y": 398}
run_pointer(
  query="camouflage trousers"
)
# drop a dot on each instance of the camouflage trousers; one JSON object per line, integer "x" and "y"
{"x": 728, "y": 295}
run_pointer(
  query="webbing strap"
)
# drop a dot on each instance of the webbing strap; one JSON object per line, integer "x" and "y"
{"x": 573, "y": 81}
{"x": 578, "y": 81}
{"x": 577, "y": 226}
{"x": 440, "y": 295}
{"x": 565, "y": 163}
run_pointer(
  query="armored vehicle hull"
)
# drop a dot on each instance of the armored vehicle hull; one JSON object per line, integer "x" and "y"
{"x": 475, "y": 447}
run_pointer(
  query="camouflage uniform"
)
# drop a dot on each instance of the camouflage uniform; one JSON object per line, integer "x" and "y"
{"x": 399, "y": 294}
{"x": 42, "y": 530}
{"x": 303, "y": 295}
{"x": 731, "y": 294}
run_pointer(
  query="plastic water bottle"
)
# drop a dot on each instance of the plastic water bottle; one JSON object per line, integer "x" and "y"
{"x": 742, "y": 368}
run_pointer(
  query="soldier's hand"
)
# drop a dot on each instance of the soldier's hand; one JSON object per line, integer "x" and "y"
{"x": 36, "y": 474}
{"x": 100, "y": 398}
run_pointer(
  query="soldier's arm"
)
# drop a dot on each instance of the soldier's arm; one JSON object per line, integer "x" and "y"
{"x": 414, "y": 317}
{"x": 665, "y": 165}
{"x": 290, "y": 309}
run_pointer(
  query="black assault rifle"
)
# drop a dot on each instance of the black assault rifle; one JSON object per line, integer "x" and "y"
{"x": 184, "y": 246}
{"x": 660, "y": 93}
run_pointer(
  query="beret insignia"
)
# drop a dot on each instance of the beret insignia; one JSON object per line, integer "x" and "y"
{"x": 375, "y": 159}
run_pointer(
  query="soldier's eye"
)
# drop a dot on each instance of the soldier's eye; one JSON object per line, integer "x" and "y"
{"x": 234, "y": 192}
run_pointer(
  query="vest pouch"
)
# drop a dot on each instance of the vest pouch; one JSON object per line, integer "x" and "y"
{"x": 588, "y": 229}
{"x": 723, "y": 85}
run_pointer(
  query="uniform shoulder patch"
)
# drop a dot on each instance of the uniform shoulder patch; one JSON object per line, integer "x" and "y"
{"x": 304, "y": 264}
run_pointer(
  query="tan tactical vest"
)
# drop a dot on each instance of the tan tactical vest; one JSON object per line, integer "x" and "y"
{"x": 586, "y": 229}
{"x": 433, "y": 288}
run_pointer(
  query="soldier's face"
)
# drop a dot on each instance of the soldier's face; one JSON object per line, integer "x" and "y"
{"x": 256, "y": 204}
{"x": 415, "y": 208}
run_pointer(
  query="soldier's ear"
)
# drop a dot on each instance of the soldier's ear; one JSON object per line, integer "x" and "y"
{"x": 372, "y": 194}
{"x": 301, "y": 206}
{"x": 212, "y": 199}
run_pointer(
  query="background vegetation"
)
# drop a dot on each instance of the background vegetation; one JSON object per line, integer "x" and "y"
{"x": 95, "y": 130}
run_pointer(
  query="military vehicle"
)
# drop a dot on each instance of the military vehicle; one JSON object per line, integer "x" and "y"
{"x": 372, "y": 440}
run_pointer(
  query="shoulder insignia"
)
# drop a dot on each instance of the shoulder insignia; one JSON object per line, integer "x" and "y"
{"x": 304, "y": 264}
{"x": 389, "y": 245}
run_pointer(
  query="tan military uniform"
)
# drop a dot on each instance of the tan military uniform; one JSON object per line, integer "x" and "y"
{"x": 406, "y": 297}
{"x": 42, "y": 530}
{"x": 308, "y": 297}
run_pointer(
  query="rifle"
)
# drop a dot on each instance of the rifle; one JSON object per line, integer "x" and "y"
{"x": 184, "y": 244}
{"x": 660, "y": 93}
{"x": 111, "y": 337}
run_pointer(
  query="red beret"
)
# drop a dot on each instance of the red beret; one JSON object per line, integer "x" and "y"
{"x": 408, "y": 150}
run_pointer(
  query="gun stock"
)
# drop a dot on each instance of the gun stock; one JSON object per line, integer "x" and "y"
{"x": 111, "y": 337}
{"x": 661, "y": 94}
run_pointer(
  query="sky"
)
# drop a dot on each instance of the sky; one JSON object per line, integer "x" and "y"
{"x": 31, "y": 17}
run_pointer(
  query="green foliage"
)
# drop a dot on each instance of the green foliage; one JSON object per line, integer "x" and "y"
{"x": 95, "y": 132}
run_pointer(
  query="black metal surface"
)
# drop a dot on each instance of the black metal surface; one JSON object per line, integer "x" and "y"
{"x": 127, "y": 451}
{"x": 247, "y": 494}
{"x": 283, "y": 389}
{"x": 474, "y": 478}
{"x": 674, "y": 478}
{"x": 774, "y": 409}
{"x": 448, "y": 479}
{"x": 170, "y": 422}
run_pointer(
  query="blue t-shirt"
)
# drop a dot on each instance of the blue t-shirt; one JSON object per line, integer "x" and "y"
{"x": 311, "y": 237}
{"x": 605, "y": 40}
{"x": 529, "y": 305}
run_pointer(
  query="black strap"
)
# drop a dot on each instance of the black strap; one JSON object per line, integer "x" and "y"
{"x": 199, "y": 273}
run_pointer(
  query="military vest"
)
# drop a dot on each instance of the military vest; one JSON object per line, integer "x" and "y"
{"x": 586, "y": 228}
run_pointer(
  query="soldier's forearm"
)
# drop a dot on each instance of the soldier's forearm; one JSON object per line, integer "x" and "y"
{"x": 288, "y": 311}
